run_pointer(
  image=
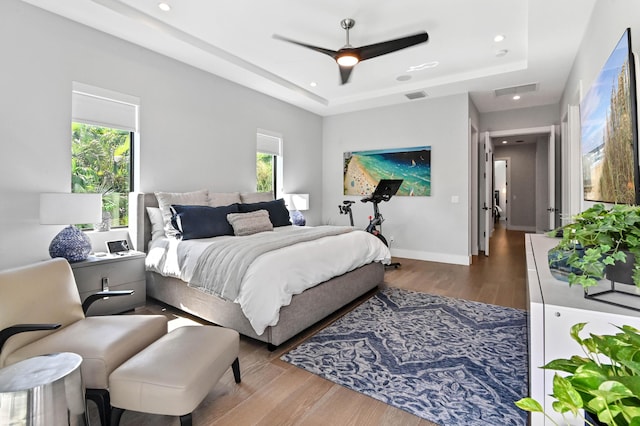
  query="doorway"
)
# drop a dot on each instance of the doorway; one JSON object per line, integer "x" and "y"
{"x": 531, "y": 193}
{"x": 501, "y": 191}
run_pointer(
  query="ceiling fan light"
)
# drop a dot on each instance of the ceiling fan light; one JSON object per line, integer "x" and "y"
{"x": 347, "y": 60}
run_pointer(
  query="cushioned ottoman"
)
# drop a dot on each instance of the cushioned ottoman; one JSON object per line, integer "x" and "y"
{"x": 174, "y": 374}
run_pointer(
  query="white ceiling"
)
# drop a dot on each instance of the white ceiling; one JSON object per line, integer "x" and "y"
{"x": 233, "y": 39}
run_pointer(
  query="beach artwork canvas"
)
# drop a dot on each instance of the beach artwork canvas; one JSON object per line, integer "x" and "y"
{"x": 364, "y": 169}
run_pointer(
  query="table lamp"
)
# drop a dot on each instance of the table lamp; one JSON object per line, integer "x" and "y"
{"x": 67, "y": 208}
{"x": 295, "y": 203}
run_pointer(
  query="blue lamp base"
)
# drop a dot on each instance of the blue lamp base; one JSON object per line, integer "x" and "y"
{"x": 297, "y": 218}
{"x": 70, "y": 243}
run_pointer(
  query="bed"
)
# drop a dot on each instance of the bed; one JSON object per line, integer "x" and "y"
{"x": 304, "y": 309}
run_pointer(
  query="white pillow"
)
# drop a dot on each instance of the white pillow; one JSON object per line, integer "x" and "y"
{"x": 219, "y": 199}
{"x": 166, "y": 199}
{"x": 250, "y": 223}
{"x": 256, "y": 197}
{"x": 157, "y": 224}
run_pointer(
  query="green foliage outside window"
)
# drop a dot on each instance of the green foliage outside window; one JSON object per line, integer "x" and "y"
{"x": 101, "y": 163}
{"x": 264, "y": 172}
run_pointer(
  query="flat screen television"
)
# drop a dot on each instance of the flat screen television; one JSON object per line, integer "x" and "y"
{"x": 609, "y": 131}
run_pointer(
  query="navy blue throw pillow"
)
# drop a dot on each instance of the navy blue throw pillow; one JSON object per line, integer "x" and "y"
{"x": 278, "y": 213}
{"x": 202, "y": 221}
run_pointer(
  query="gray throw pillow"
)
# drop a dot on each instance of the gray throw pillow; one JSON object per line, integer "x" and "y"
{"x": 250, "y": 223}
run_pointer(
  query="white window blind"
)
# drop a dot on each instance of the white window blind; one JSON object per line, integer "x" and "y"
{"x": 268, "y": 144}
{"x": 104, "y": 108}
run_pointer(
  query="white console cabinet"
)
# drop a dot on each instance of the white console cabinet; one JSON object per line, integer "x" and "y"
{"x": 554, "y": 308}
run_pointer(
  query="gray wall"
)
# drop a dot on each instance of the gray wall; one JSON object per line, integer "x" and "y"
{"x": 431, "y": 228}
{"x": 197, "y": 130}
{"x": 522, "y": 173}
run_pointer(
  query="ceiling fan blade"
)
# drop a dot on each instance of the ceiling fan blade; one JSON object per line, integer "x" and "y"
{"x": 378, "y": 49}
{"x": 345, "y": 73}
{"x": 308, "y": 46}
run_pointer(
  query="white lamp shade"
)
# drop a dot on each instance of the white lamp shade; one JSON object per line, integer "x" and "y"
{"x": 67, "y": 208}
{"x": 297, "y": 201}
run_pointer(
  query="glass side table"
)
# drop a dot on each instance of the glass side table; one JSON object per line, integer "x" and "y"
{"x": 43, "y": 390}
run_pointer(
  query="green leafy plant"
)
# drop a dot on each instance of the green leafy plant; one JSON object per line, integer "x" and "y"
{"x": 604, "y": 382}
{"x": 100, "y": 163}
{"x": 599, "y": 237}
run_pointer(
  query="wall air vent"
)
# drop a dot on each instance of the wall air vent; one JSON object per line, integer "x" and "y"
{"x": 510, "y": 91}
{"x": 416, "y": 95}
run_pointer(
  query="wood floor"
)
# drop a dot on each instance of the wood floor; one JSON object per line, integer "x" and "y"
{"x": 273, "y": 392}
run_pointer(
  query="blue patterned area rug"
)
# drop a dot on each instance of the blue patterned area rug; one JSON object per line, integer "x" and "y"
{"x": 450, "y": 361}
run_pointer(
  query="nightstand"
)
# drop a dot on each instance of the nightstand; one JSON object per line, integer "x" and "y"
{"x": 112, "y": 272}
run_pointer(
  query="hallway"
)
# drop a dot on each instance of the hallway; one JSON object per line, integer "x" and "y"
{"x": 499, "y": 279}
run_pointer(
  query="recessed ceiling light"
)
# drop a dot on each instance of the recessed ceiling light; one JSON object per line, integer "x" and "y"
{"x": 516, "y": 97}
{"x": 313, "y": 84}
{"x": 165, "y": 7}
{"x": 504, "y": 141}
{"x": 424, "y": 66}
{"x": 498, "y": 38}
{"x": 403, "y": 77}
{"x": 502, "y": 52}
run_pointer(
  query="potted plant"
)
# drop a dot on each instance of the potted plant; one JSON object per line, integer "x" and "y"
{"x": 605, "y": 381}
{"x": 599, "y": 241}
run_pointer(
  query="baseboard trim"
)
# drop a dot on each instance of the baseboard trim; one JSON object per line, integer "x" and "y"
{"x": 432, "y": 257}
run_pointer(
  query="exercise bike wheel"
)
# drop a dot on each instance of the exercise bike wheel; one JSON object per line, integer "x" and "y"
{"x": 394, "y": 265}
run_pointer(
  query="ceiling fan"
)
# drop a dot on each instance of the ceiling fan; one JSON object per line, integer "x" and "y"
{"x": 348, "y": 56}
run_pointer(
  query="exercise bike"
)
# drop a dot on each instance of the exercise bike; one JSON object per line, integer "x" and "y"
{"x": 386, "y": 189}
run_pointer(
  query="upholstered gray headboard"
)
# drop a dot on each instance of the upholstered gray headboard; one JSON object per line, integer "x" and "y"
{"x": 139, "y": 224}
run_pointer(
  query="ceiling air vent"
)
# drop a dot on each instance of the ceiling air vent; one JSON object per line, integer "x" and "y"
{"x": 510, "y": 91}
{"x": 416, "y": 95}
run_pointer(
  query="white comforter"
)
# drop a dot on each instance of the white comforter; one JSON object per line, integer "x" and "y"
{"x": 274, "y": 277}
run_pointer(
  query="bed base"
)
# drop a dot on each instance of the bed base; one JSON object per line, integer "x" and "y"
{"x": 305, "y": 308}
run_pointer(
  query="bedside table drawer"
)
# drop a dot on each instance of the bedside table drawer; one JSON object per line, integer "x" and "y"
{"x": 115, "y": 305}
{"x": 89, "y": 278}
{"x": 116, "y": 273}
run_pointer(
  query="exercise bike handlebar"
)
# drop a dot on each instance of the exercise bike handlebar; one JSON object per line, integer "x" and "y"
{"x": 376, "y": 198}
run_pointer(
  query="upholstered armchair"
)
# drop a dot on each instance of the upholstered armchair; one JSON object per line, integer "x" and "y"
{"x": 43, "y": 299}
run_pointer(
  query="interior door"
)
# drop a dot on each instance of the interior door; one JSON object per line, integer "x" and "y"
{"x": 487, "y": 206}
{"x": 552, "y": 209}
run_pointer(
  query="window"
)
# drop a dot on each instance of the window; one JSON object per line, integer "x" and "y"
{"x": 101, "y": 163}
{"x": 269, "y": 162}
{"x": 103, "y": 131}
{"x": 266, "y": 164}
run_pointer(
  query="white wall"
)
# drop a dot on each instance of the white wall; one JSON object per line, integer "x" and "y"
{"x": 500, "y": 183}
{"x": 197, "y": 130}
{"x": 542, "y": 184}
{"x": 429, "y": 228}
{"x": 608, "y": 21}
{"x": 521, "y": 118}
